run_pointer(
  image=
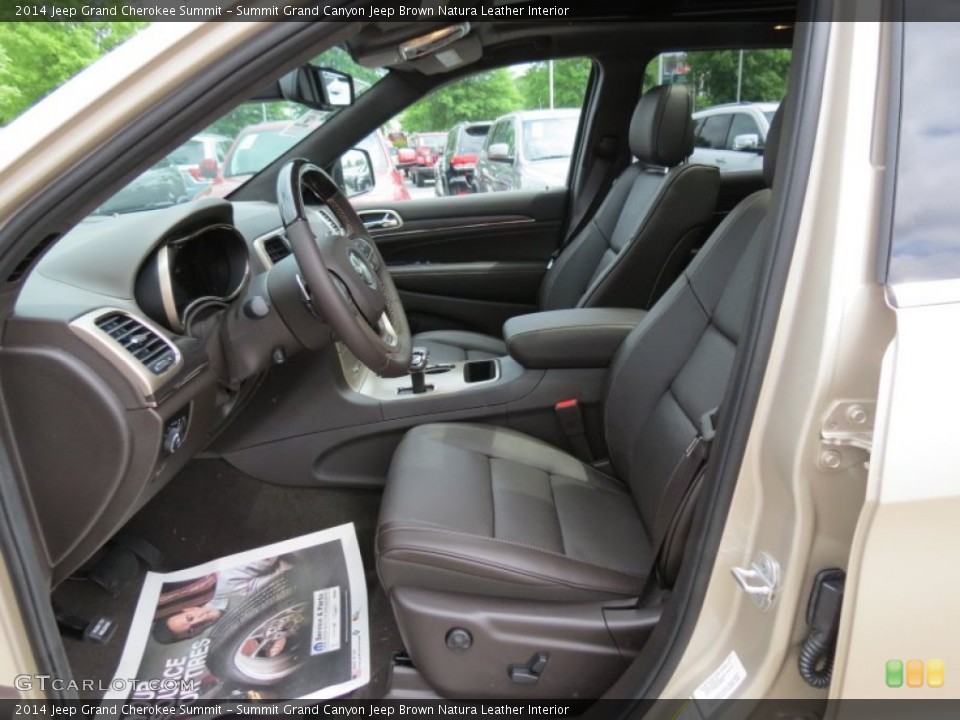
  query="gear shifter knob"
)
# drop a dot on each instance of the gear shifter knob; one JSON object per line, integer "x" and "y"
{"x": 418, "y": 363}
{"x": 418, "y": 360}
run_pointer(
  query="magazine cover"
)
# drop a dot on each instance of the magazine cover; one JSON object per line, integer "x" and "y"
{"x": 288, "y": 621}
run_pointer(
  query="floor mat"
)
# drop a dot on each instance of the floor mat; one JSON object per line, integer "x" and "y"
{"x": 209, "y": 510}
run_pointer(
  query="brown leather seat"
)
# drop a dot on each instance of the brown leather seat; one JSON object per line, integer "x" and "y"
{"x": 506, "y": 535}
{"x": 654, "y": 215}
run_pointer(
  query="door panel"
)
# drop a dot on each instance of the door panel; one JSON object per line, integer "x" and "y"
{"x": 470, "y": 261}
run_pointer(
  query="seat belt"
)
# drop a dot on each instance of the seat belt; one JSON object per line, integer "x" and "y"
{"x": 605, "y": 152}
{"x": 685, "y": 473}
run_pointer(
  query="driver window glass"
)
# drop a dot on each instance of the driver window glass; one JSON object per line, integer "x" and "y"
{"x": 440, "y": 144}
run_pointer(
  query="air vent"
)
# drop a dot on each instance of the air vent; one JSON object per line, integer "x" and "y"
{"x": 21, "y": 269}
{"x": 275, "y": 248}
{"x": 155, "y": 353}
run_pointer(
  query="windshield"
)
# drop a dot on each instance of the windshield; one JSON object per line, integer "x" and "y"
{"x": 769, "y": 115}
{"x": 549, "y": 138}
{"x": 225, "y": 155}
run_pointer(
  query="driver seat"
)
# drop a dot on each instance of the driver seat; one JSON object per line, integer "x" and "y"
{"x": 514, "y": 569}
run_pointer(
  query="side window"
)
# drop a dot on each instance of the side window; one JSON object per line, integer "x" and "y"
{"x": 509, "y": 139}
{"x": 744, "y": 133}
{"x": 543, "y": 101}
{"x": 924, "y": 259}
{"x": 498, "y": 134}
{"x": 713, "y": 134}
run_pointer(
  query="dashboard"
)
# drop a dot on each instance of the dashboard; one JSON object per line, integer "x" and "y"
{"x": 132, "y": 342}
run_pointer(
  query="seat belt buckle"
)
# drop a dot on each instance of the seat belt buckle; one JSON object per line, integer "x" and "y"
{"x": 571, "y": 422}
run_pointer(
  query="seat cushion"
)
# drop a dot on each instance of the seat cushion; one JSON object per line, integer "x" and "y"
{"x": 448, "y": 346}
{"x": 489, "y": 511}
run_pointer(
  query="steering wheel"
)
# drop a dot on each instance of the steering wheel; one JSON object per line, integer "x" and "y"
{"x": 348, "y": 283}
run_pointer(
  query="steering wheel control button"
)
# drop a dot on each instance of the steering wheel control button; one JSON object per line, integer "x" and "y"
{"x": 256, "y": 308}
{"x": 459, "y": 639}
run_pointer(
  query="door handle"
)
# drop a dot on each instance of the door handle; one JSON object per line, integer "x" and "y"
{"x": 380, "y": 219}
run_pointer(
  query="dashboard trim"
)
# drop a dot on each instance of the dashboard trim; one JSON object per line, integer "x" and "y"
{"x": 145, "y": 381}
{"x": 166, "y": 289}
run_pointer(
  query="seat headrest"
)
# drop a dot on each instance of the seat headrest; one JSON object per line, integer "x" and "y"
{"x": 661, "y": 131}
{"x": 772, "y": 147}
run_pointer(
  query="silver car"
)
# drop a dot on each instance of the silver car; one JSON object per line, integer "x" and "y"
{"x": 732, "y": 137}
{"x": 528, "y": 151}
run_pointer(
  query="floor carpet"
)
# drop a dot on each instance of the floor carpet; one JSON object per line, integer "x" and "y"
{"x": 210, "y": 510}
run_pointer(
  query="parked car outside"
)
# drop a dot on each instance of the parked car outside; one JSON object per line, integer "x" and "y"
{"x": 201, "y": 155}
{"x": 159, "y": 187}
{"x": 257, "y": 145}
{"x": 427, "y": 147}
{"x": 406, "y": 159}
{"x": 732, "y": 137}
{"x": 528, "y": 150}
{"x": 457, "y": 164}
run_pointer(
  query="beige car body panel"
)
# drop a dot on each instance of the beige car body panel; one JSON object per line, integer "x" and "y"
{"x": 834, "y": 329}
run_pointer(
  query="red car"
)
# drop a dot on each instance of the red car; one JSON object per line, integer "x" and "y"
{"x": 428, "y": 147}
{"x": 258, "y": 145}
{"x": 406, "y": 159}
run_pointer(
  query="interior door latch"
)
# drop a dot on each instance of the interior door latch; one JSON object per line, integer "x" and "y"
{"x": 761, "y": 581}
{"x": 846, "y": 436}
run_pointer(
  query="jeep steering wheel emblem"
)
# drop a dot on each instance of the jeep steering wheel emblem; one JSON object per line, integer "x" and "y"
{"x": 363, "y": 270}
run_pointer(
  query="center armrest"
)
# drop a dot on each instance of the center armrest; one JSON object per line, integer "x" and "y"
{"x": 580, "y": 338}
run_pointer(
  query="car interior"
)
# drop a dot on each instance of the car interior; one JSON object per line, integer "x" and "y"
{"x": 498, "y": 390}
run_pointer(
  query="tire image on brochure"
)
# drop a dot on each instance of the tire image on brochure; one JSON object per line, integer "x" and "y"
{"x": 277, "y": 632}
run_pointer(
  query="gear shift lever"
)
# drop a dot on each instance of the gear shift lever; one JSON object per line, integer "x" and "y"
{"x": 418, "y": 363}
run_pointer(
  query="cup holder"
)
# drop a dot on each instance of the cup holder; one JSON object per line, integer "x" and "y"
{"x": 479, "y": 371}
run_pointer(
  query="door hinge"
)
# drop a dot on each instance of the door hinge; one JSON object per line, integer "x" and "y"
{"x": 846, "y": 436}
{"x": 761, "y": 581}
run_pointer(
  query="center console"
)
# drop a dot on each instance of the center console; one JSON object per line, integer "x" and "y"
{"x": 440, "y": 379}
{"x": 324, "y": 419}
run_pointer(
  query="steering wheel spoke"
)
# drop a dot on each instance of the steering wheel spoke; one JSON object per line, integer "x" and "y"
{"x": 349, "y": 283}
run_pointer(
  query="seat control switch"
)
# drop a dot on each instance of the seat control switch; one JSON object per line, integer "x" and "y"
{"x": 530, "y": 672}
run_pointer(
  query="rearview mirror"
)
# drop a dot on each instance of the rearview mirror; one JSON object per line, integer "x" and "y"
{"x": 499, "y": 152}
{"x": 354, "y": 172}
{"x": 315, "y": 87}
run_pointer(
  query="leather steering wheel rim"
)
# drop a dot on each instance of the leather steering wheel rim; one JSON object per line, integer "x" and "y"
{"x": 348, "y": 282}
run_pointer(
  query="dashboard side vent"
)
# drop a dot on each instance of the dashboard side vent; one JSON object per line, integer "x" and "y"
{"x": 149, "y": 348}
{"x": 24, "y": 265}
{"x": 275, "y": 248}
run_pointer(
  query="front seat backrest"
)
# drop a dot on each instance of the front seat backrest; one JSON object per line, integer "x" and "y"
{"x": 675, "y": 366}
{"x": 657, "y": 211}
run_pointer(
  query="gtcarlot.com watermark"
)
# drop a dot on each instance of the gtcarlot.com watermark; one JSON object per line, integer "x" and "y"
{"x": 26, "y": 683}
